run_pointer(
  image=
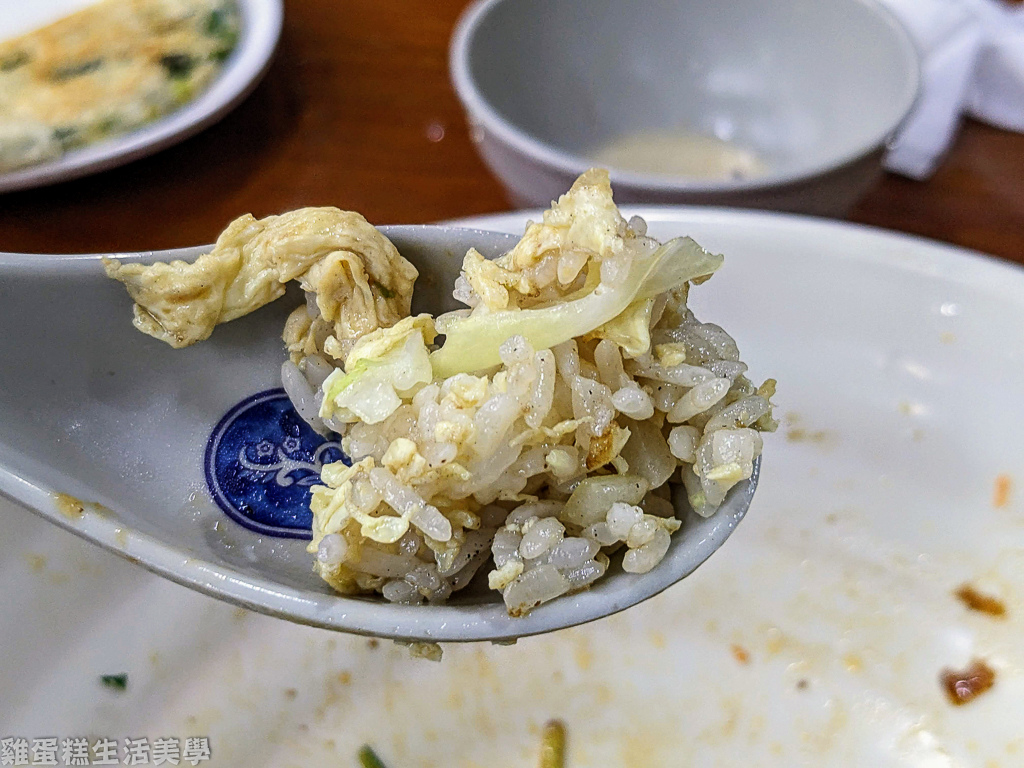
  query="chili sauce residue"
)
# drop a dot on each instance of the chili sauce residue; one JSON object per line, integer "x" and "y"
{"x": 1001, "y": 492}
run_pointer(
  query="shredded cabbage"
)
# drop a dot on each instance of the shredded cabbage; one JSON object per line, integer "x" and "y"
{"x": 472, "y": 342}
{"x": 382, "y": 367}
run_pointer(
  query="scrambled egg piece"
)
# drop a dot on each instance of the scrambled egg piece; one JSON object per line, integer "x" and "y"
{"x": 359, "y": 279}
{"x": 561, "y": 258}
{"x": 582, "y": 227}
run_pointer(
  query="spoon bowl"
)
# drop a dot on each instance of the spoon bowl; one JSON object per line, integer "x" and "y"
{"x": 124, "y": 441}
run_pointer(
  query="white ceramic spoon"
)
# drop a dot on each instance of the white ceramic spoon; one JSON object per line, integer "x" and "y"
{"x": 166, "y": 457}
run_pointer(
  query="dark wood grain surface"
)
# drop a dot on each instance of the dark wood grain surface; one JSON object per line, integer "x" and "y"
{"x": 357, "y": 111}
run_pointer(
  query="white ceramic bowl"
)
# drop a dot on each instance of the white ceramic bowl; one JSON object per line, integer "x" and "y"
{"x": 815, "y": 90}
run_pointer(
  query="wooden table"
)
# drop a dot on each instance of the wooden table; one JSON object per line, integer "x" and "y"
{"x": 357, "y": 111}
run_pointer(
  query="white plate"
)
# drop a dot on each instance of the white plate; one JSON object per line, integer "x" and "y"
{"x": 815, "y": 637}
{"x": 261, "y": 28}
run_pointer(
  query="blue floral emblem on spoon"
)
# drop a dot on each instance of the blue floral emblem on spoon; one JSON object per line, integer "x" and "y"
{"x": 261, "y": 461}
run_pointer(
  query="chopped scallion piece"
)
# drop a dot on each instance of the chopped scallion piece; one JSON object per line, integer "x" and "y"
{"x": 77, "y": 69}
{"x": 552, "y": 747}
{"x": 118, "y": 682}
{"x": 368, "y": 758}
{"x": 13, "y": 61}
{"x": 177, "y": 64}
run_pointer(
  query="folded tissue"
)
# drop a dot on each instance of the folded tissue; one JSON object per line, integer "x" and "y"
{"x": 972, "y": 63}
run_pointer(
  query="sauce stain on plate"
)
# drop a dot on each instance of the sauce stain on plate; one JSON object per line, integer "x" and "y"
{"x": 69, "y": 506}
{"x": 976, "y": 601}
{"x": 962, "y": 687}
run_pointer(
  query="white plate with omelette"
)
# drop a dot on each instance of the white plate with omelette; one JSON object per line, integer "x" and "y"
{"x": 86, "y": 86}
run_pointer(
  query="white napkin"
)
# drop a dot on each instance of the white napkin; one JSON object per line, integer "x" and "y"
{"x": 972, "y": 62}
